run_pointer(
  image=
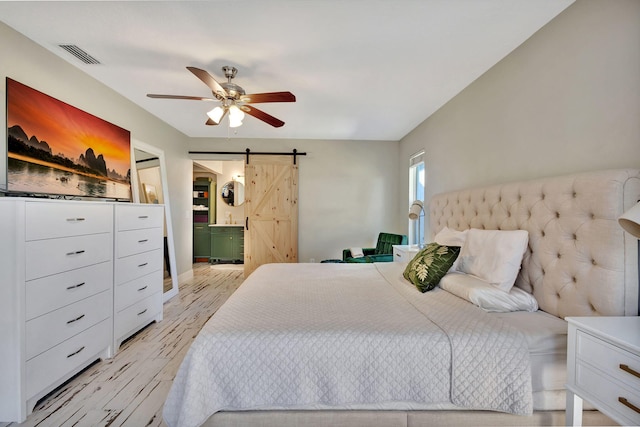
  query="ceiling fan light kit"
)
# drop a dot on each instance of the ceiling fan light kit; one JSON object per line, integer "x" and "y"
{"x": 233, "y": 98}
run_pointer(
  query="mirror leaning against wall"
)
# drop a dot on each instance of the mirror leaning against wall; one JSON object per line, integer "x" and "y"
{"x": 149, "y": 185}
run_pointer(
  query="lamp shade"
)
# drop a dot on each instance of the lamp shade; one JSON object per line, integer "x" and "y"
{"x": 630, "y": 220}
{"x": 415, "y": 209}
{"x": 216, "y": 114}
{"x": 235, "y": 116}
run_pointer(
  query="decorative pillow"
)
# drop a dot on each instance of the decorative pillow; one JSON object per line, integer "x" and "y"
{"x": 486, "y": 296}
{"x": 494, "y": 256}
{"x": 429, "y": 265}
{"x": 450, "y": 237}
{"x": 356, "y": 252}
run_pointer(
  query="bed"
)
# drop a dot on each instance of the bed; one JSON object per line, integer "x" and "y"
{"x": 343, "y": 344}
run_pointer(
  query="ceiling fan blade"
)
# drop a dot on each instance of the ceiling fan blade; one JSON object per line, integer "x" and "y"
{"x": 210, "y": 122}
{"x": 209, "y": 81}
{"x": 261, "y": 115}
{"x": 254, "y": 98}
{"x": 193, "y": 98}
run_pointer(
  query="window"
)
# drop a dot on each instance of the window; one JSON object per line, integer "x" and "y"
{"x": 416, "y": 192}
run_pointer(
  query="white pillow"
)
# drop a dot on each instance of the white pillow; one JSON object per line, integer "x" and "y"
{"x": 450, "y": 237}
{"x": 356, "y": 252}
{"x": 494, "y": 256}
{"x": 486, "y": 296}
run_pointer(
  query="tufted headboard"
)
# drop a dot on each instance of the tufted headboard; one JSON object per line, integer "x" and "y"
{"x": 580, "y": 262}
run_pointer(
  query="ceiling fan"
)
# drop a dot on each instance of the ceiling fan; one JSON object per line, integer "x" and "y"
{"x": 233, "y": 99}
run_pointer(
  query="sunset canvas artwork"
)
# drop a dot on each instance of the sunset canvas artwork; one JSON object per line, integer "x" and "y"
{"x": 57, "y": 149}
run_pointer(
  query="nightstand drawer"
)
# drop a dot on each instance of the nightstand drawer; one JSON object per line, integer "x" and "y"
{"x": 608, "y": 391}
{"x": 404, "y": 253}
{"x": 608, "y": 359}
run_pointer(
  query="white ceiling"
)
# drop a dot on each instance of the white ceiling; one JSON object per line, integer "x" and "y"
{"x": 360, "y": 69}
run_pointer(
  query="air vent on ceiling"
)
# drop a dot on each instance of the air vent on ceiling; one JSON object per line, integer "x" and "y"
{"x": 79, "y": 53}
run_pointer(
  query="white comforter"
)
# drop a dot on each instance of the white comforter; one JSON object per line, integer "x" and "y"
{"x": 343, "y": 335}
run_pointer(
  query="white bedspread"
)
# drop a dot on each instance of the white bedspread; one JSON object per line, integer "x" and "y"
{"x": 302, "y": 335}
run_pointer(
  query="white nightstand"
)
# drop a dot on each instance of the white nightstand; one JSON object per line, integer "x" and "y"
{"x": 404, "y": 253}
{"x": 603, "y": 368}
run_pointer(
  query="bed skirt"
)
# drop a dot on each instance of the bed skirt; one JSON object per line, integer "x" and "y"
{"x": 396, "y": 419}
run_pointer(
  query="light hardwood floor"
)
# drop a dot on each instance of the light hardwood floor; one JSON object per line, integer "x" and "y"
{"x": 130, "y": 389}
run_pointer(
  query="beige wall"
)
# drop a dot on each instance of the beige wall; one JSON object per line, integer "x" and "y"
{"x": 567, "y": 100}
{"x": 347, "y": 190}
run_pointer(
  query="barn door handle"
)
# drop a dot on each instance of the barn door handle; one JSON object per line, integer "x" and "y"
{"x": 246, "y": 223}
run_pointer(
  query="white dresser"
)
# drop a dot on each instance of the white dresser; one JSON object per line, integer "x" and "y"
{"x": 138, "y": 269}
{"x": 603, "y": 367}
{"x": 57, "y": 293}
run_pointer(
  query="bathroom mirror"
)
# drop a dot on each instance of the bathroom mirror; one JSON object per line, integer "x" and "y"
{"x": 232, "y": 193}
{"x": 150, "y": 172}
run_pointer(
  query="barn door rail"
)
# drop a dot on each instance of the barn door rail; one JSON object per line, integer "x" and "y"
{"x": 248, "y": 152}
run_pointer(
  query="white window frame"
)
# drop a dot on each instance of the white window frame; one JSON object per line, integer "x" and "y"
{"x": 416, "y": 192}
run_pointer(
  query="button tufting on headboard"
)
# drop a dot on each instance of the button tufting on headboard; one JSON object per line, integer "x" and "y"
{"x": 572, "y": 222}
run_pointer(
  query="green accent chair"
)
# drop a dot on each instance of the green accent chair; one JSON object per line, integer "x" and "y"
{"x": 383, "y": 252}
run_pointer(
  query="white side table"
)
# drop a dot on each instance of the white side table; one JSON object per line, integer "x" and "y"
{"x": 603, "y": 367}
{"x": 404, "y": 253}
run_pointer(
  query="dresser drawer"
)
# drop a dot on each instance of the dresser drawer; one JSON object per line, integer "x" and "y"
{"x": 48, "y": 367}
{"x": 607, "y": 391}
{"x": 52, "y": 292}
{"x": 135, "y": 266}
{"x": 136, "y": 290}
{"x": 138, "y": 315}
{"x": 137, "y": 241}
{"x": 51, "y": 220}
{"x": 46, "y": 257}
{"x": 608, "y": 358}
{"x": 133, "y": 217}
{"x": 50, "y": 329}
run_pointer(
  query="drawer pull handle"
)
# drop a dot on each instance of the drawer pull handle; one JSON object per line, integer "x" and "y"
{"x": 143, "y": 241}
{"x": 75, "y": 352}
{"x": 143, "y": 264}
{"x": 142, "y": 312}
{"x": 633, "y": 372}
{"x": 75, "y": 253}
{"x": 142, "y": 288}
{"x": 75, "y": 320}
{"x": 628, "y": 404}
{"x": 143, "y": 216}
{"x": 75, "y": 286}
{"x": 75, "y": 219}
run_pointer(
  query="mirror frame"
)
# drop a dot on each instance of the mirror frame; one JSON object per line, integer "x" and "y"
{"x": 142, "y": 146}
{"x": 234, "y": 182}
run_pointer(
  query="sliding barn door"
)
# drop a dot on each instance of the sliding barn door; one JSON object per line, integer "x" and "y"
{"x": 271, "y": 206}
